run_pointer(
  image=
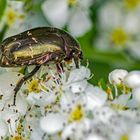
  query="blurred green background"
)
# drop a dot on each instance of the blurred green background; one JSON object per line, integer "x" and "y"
{"x": 108, "y": 30}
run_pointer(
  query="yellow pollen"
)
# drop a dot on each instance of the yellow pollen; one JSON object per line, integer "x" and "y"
{"x": 72, "y": 2}
{"x": 119, "y": 36}
{"x": 19, "y": 128}
{"x": 21, "y": 16}
{"x": 124, "y": 88}
{"x": 33, "y": 86}
{"x": 124, "y": 137}
{"x": 11, "y": 16}
{"x": 119, "y": 107}
{"x": 17, "y": 137}
{"x": 76, "y": 114}
{"x": 132, "y": 4}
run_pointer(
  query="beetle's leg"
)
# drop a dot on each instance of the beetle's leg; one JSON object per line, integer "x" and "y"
{"x": 23, "y": 79}
{"x": 60, "y": 67}
{"x": 76, "y": 61}
{"x": 75, "y": 58}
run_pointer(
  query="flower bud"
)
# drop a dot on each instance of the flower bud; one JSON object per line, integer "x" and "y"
{"x": 116, "y": 77}
{"x": 132, "y": 80}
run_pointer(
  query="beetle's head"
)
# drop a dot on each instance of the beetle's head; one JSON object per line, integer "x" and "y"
{"x": 74, "y": 53}
{"x": 72, "y": 49}
{"x": 80, "y": 54}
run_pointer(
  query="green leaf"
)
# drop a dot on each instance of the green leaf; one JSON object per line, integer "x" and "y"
{"x": 24, "y": 70}
{"x": 43, "y": 77}
{"x": 102, "y": 84}
{"x": 3, "y": 4}
{"x": 2, "y": 33}
{"x": 28, "y": 5}
{"x": 119, "y": 59}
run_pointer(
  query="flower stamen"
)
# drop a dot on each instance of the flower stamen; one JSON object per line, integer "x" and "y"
{"x": 119, "y": 36}
{"x": 76, "y": 114}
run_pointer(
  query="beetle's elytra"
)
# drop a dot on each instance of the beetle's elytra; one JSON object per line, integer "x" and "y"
{"x": 37, "y": 47}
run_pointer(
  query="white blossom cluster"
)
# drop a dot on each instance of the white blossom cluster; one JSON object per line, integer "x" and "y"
{"x": 65, "y": 106}
{"x": 74, "y": 14}
{"x": 13, "y": 18}
{"x": 119, "y": 26}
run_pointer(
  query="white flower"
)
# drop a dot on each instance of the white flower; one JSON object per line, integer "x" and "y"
{"x": 79, "y": 23}
{"x": 103, "y": 114}
{"x": 132, "y": 22}
{"x": 56, "y": 11}
{"x": 135, "y": 49}
{"x": 132, "y": 103}
{"x": 78, "y": 86}
{"x": 13, "y": 17}
{"x": 77, "y": 80}
{"x": 94, "y": 97}
{"x": 2, "y": 70}
{"x": 19, "y": 20}
{"x": 33, "y": 19}
{"x": 37, "y": 132}
{"x": 58, "y": 109}
{"x": 21, "y": 104}
{"x": 79, "y": 74}
{"x": 31, "y": 124}
{"x": 8, "y": 82}
{"x": 121, "y": 102}
{"x": 10, "y": 118}
{"x": 116, "y": 77}
{"x": 52, "y": 123}
{"x": 41, "y": 99}
{"x": 132, "y": 79}
{"x": 119, "y": 27}
{"x": 3, "y": 129}
{"x": 135, "y": 133}
{"x": 75, "y": 130}
{"x": 60, "y": 14}
{"x": 68, "y": 131}
{"x": 105, "y": 13}
{"x": 136, "y": 94}
{"x": 95, "y": 137}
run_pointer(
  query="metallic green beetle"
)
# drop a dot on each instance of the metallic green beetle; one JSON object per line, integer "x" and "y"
{"x": 37, "y": 47}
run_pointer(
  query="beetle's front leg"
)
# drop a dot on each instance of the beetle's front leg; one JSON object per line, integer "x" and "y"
{"x": 22, "y": 80}
{"x": 76, "y": 61}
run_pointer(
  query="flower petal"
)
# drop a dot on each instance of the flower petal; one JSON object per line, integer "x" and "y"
{"x": 3, "y": 129}
{"x": 78, "y": 74}
{"x": 132, "y": 80}
{"x": 79, "y": 23}
{"x": 8, "y": 81}
{"x": 56, "y": 12}
{"x": 117, "y": 76}
{"x": 94, "y": 96}
{"x": 52, "y": 123}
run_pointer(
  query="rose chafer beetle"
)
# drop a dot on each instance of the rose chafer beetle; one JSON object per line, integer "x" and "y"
{"x": 38, "y": 47}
